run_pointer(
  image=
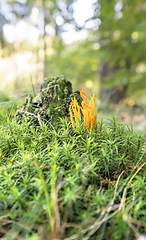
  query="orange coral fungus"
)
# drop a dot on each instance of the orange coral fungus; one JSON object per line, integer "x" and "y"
{"x": 75, "y": 113}
{"x": 88, "y": 110}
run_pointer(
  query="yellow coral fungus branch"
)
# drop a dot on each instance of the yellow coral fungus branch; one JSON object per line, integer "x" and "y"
{"x": 88, "y": 110}
{"x": 75, "y": 113}
{"x": 83, "y": 95}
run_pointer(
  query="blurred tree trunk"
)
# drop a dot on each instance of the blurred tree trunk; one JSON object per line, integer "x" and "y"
{"x": 113, "y": 94}
{"x": 41, "y": 50}
{"x": 113, "y": 57}
{"x": 45, "y": 39}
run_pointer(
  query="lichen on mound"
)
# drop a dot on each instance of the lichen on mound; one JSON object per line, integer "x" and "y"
{"x": 51, "y": 103}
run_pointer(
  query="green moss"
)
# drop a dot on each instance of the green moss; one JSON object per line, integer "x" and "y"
{"x": 94, "y": 183}
{"x": 52, "y": 102}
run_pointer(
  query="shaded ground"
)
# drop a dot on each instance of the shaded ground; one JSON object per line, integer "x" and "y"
{"x": 135, "y": 115}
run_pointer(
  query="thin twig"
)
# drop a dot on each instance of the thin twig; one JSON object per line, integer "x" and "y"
{"x": 6, "y": 158}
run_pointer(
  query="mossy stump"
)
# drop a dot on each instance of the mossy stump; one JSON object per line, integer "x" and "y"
{"x": 51, "y": 103}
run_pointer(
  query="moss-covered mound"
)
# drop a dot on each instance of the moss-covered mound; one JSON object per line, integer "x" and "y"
{"x": 62, "y": 185}
{"x": 51, "y": 103}
{"x": 57, "y": 183}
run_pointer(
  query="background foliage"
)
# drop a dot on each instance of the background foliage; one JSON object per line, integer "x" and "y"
{"x": 109, "y": 58}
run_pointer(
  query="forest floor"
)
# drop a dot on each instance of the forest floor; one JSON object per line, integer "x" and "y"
{"x": 129, "y": 115}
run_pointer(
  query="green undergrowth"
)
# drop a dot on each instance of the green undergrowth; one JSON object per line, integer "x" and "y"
{"x": 60, "y": 184}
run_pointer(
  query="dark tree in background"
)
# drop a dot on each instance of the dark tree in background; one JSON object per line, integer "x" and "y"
{"x": 122, "y": 47}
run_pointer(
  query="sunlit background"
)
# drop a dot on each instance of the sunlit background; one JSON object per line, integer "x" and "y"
{"x": 96, "y": 44}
